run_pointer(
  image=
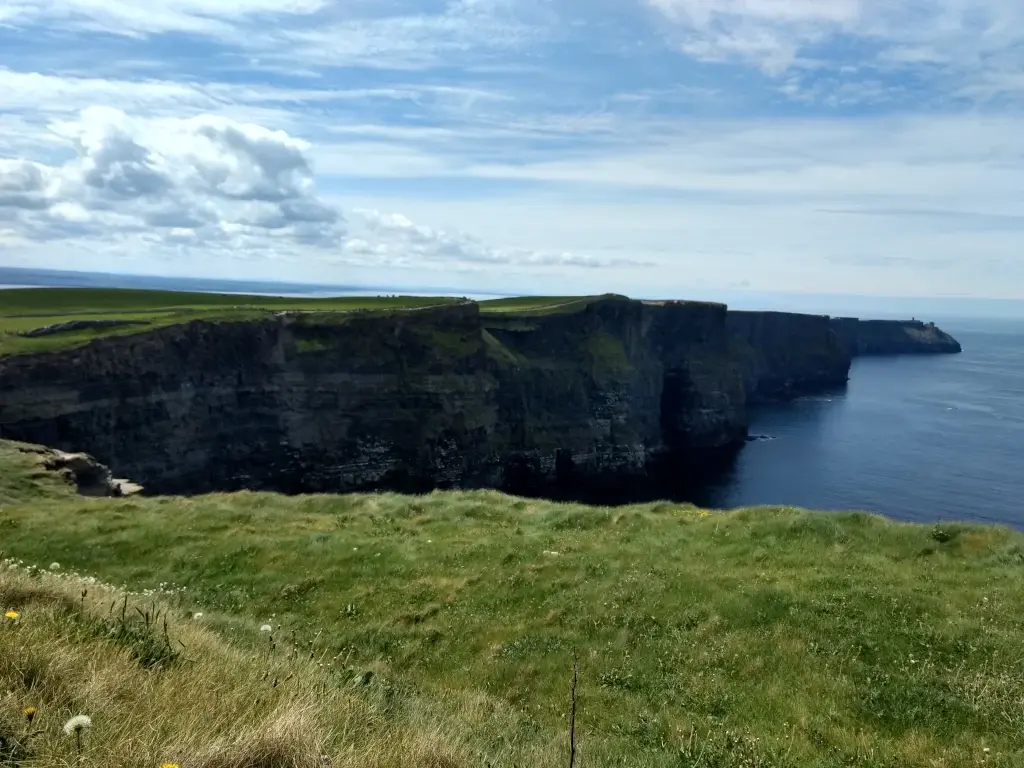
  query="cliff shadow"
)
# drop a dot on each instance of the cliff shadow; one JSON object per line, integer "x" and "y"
{"x": 677, "y": 476}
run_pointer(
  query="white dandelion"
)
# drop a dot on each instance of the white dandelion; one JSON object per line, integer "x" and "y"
{"x": 75, "y": 726}
{"x": 54, "y": 566}
{"x": 266, "y": 628}
{"x": 197, "y": 616}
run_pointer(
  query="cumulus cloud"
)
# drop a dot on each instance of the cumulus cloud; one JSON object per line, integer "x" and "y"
{"x": 214, "y": 186}
{"x": 204, "y": 179}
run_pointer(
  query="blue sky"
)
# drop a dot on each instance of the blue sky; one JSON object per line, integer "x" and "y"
{"x": 650, "y": 147}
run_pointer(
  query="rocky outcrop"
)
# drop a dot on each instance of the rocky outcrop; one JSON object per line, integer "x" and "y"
{"x": 893, "y": 337}
{"x": 90, "y": 477}
{"x": 784, "y": 355}
{"x": 439, "y": 397}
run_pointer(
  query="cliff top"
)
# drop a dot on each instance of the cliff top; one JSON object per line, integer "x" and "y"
{"x": 41, "y": 319}
{"x": 442, "y": 629}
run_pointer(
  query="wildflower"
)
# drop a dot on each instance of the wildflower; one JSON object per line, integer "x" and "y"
{"x": 266, "y": 628}
{"x": 54, "y": 566}
{"x": 197, "y": 615}
{"x": 77, "y": 724}
{"x": 12, "y": 615}
{"x": 170, "y": 765}
{"x": 30, "y": 714}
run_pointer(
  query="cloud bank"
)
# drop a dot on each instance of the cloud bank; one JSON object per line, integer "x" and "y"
{"x": 654, "y": 147}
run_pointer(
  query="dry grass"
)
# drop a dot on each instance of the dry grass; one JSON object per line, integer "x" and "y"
{"x": 211, "y": 705}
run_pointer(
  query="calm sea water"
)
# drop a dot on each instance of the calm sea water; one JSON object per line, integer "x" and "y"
{"x": 914, "y": 438}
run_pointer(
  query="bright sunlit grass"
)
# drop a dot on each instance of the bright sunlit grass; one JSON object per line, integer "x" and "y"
{"x": 757, "y": 637}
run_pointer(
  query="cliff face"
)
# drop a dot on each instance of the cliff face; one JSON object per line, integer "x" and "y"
{"x": 784, "y": 355}
{"x": 610, "y": 391}
{"x": 893, "y": 337}
{"x": 439, "y": 397}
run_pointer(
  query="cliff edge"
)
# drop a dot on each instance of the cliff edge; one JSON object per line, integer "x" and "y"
{"x": 893, "y": 337}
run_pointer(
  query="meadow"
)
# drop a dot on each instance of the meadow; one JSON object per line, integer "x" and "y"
{"x": 440, "y": 631}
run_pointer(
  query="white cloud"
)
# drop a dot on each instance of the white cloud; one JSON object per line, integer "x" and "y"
{"x": 128, "y": 17}
{"x": 967, "y": 37}
{"x": 396, "y": 238}
{"x": 205, "y": 178}
{"x": 300, "y": 34}
{"x": 212, "y": 185}
{"x": 965, "y": 161}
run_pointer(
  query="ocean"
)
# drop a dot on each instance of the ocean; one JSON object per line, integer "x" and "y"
{"x": 914, "y": 438}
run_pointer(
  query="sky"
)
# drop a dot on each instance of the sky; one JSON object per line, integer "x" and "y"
{"x": 658, "y": 148}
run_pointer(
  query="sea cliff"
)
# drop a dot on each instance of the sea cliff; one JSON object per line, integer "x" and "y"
{"x": 785, "y": 355}
{"x": 410, "y": 400}
{"x": 893, "y": 337}
{"x": 601, "y": 396}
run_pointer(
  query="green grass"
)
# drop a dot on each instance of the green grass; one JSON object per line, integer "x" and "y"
{"x": 29, "y": 308}
{"x": 101, "y": 301}
{"x": 758, "y": 637}
{"x": 162, "y": 686}
{"x": 538, "y": 305}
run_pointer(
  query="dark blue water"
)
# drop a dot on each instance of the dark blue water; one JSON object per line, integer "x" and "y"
{"x": 914, "y": 438}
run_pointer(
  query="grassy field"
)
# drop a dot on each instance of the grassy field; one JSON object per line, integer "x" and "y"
{"x": 537, "y": 305}
{"x": 769, "y": 637}
{"x": 29, "y": 308}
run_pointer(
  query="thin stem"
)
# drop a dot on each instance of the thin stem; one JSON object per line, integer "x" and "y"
{"x": 572, "y": 713}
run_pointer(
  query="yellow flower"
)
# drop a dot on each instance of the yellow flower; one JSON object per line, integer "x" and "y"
{"x": 12, "y": 614}
{"x": 170, "y": 765}
{"x": 30, "y": 713}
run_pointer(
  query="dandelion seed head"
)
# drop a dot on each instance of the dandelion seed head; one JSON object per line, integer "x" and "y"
{"x": 266, "y": 628}
{"x": 55, "y": 566}
{"x": 77, "y": 724}
{"x": 198, "y": 615}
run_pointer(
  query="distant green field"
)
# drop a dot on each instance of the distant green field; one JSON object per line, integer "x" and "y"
{"x": 26, "y": 309}
{"x": 114, "y": 301}
{"x": 29, "y": 308}
{"x": 537, "y": 305}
